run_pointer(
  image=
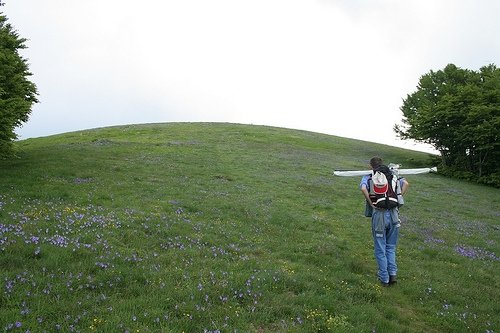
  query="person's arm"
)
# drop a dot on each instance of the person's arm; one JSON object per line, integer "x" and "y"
{"x": 404, "y": 186}
{"x": 366, "y": 194}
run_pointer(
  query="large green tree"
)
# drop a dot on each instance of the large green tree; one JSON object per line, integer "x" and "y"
{"x": 17, "y": 92}
{"x": 458, "y": 112}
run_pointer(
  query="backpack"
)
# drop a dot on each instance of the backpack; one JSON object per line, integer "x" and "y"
{"x": 384, "y": 188}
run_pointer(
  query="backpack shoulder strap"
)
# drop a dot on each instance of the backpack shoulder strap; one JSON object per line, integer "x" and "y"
{"x": 370, "y": 184}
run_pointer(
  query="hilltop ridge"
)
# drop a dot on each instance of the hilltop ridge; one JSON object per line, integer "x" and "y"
{"x": 203, "y": 227}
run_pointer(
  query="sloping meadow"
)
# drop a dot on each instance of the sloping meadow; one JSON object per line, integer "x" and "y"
{"x": 233, "y": 228}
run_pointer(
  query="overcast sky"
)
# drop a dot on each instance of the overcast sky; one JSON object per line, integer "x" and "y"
{"x": 339, "y": 67}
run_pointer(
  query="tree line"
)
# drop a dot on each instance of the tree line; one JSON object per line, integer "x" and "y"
{"x": 458, "y": 112}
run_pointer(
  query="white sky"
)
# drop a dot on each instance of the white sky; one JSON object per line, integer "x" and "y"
{"x": 326, "y": 66}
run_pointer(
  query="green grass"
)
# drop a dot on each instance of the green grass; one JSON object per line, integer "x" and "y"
{"x": 233, "y": 228}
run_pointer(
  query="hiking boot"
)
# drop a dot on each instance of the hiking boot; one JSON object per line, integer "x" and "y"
{"x": 384, "y": 284}
{"x": 392, "y": 280}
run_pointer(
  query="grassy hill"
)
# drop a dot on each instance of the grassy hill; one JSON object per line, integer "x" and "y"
{"x": 233, "y": 228}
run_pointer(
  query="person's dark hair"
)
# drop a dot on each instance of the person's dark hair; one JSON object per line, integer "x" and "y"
{"x": 375, "y": 162}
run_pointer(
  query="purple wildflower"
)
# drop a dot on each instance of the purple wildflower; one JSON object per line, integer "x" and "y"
{"x": 475, "y": 253}
{"x": 59, "y": 241}
{"x": 9, "y": 286}
{"x": 102, "y": 265}
{"x": 82, "y": 180}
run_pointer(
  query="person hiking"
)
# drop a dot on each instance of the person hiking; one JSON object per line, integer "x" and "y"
{"x": 382, "y": 205}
